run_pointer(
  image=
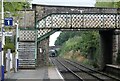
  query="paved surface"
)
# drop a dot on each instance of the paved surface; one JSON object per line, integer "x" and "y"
{"x": 53, "y": 73}
{"x": 41, "y": 74}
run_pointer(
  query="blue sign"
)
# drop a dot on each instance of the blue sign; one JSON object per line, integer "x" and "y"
{"x": 8, "y": 21}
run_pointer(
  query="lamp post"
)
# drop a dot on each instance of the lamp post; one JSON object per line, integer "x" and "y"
{"x": 2, "y": 43}
{"x": 17, "y": 36}
{"x": 16, "y": 58}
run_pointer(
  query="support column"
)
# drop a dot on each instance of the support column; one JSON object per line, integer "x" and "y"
{"x": 43, "y": 53}
{"x": 115, "y": 49}
{"x": 106, "y": 45}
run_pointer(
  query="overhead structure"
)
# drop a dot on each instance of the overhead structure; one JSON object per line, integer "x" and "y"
{"x": 66, "y": 17}
{"x": 105, "y": 20}
{"x": 80, "y": 21}
{"x": 46, "y": 20}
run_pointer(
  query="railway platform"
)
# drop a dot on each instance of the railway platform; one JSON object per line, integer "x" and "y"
{"x": 40, "y": 74}
{"x": 113, "y": 69}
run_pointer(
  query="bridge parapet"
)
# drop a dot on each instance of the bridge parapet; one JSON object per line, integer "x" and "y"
{"x": 80, "y": 20}
{"x": 44, "y": 10}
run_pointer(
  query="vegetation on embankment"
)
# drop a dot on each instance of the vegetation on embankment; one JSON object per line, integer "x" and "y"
{"x": 83, "y": 46}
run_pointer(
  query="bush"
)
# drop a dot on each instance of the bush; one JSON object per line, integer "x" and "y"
{"x": 87, "y": 62}
{"x": 9, "y": 46}
{"x": 88, "y": 44}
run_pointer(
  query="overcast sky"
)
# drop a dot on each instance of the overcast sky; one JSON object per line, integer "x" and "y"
{"x": 64, "y": 3}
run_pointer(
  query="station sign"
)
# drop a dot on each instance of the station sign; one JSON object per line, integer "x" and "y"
{"x": 8, "y": 21}
{"x": 6, "y": 34}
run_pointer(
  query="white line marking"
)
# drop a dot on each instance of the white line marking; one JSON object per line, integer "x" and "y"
{"x": 59, "y": 74}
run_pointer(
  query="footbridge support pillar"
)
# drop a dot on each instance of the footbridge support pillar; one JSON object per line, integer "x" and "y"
{"x": 106, "y": 46}
{"x": 43, "y": 53}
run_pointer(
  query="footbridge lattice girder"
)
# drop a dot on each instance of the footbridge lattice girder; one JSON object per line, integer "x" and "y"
{"x": 27, "y": 35}
{"x": 42, "y": 32}
{"x": 86, "y": 20}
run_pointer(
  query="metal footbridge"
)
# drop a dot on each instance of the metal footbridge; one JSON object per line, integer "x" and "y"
{"x": 49, "y": 19}
{"x": 80, "y": 21}
{"x": 53, "y": 18}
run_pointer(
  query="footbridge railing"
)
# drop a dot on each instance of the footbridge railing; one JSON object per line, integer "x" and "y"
{"x": 80, "y": 21}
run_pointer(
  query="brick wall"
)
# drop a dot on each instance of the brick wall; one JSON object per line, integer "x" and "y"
{"x": 26, "y": 18}
{"x": 42, "y": 53}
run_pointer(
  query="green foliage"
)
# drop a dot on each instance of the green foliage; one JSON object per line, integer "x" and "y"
{"x": 14, "y": 6}
{"x": 108, "y": 4}
{"x": 70, "y": 45}
{"x": 87, "y": 62}
{"x": 105, "y": 4}
{"x": 64, "y": 36}
{"x": 84, "y": 42}
{"x": 117, "y": 4}
{"x": 9, "y": 45}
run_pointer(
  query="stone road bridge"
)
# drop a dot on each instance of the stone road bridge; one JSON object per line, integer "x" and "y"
{"x": 50, "y": 19}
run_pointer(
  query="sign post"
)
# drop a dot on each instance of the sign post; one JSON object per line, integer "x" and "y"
{"x": 2, "y": 42}
{"x": 16, "y": 58}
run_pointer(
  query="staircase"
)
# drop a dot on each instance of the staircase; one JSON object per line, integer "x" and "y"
{"x": 26, "y": 63}
{"x": 26, "y": 49}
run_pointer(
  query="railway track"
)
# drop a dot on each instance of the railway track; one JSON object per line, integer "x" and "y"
{"x": 104, "y": 74}
{"x": 76, "y": 72}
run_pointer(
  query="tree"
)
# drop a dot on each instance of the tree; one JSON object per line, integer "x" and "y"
{"x": 110, "y": 4}
{"x": 13, "y": 7}
{"x": 87, "y": 42}
{"x": 65, "y": 35}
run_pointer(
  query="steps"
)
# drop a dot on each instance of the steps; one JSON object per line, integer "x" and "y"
{"x": 26, "y": 55}
{"x": 26, "y": 63}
